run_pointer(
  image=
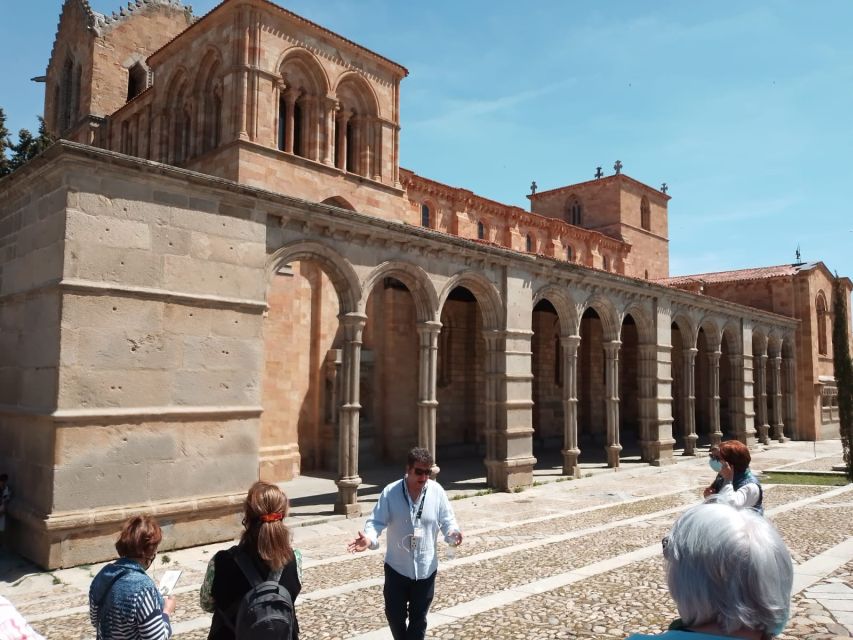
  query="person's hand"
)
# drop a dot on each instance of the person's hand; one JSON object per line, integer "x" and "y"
{"x": 708, "y": 491}
{"x": 169, "y": 606}
{"x": 361, "y": 543}
{"x": 457, "y": 538}
{"x": 727, "y": 471}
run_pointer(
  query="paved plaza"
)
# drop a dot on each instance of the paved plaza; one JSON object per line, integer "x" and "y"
{"x": 572, "y": 559}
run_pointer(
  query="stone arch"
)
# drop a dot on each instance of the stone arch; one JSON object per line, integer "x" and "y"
{"x": 210, "y": 61}
{"x": 208, "y": 89}
{"x": 356, "y": 93}
{"x": 177, "y": 121}
{"x": 607, "y": 313}
{"x": 760, "y": 340}
{"x": 340, "y": 202}
{"x": 417, "y": 282}
{"x": 300, "y": 69}
{"x": 643, "y": 320}
{"x": 713, "y": 335}
{"x": 487, "y": 295}
{"x": 562, "y": 301}
{"x": 774, "y": 345}
{"x": 687, "y": 328}
{"x": 733, "y": 336}
{"x": 338, "y": 269}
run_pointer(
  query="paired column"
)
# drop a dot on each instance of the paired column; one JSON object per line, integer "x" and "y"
{"x": 341, "y": 143}
{"x": 571, "y": 452}
{"x": 330, "y": 105}
{"x": 778, "y": 423}
{"x": 714, "y": 396}
{"x": 348, "y": 479}
{"x": 611, "y": 400}
{"x": 689, "y": 400}
{"x": 428, "y": 333}
{"x": 761, "y": 398}
{"x": 290, "y": 96}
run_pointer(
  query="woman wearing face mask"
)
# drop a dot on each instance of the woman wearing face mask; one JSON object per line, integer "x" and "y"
{"x": 716, "y": 465}
{"x": 729, "y": 573}
{"x": 740, "y": 488}
{"x": 124, "y": 603}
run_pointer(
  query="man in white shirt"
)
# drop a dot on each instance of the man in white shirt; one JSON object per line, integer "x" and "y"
{"x": 413, "y": 510}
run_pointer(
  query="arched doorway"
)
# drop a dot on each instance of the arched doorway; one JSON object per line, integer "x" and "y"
{"x": 548, "y": 382}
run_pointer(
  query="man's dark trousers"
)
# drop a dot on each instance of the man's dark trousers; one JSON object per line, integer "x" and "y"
{"x": 406, "y": 596}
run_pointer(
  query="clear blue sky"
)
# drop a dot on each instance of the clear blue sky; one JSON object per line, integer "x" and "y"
{"x": 743, "y": 108}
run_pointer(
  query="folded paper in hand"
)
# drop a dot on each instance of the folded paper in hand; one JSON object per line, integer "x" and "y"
{"x": 168, "y": 582}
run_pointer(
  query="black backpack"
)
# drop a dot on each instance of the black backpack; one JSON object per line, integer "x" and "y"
{"x": 266, "y": 611}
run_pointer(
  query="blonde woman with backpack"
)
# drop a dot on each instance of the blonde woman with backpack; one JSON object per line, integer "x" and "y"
{"x": 251, "y": 587}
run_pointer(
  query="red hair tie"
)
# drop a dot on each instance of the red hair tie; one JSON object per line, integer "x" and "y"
{"x": 272, "y": 517}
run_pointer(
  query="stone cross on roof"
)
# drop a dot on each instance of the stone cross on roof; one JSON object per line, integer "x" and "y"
{"x": 618, "y": 167}
{"x": 533, "y": 187}
{"x": 598, "y": 173}
{"x": 664, "y": 187}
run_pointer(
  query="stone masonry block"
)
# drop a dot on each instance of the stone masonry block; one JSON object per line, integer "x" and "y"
{"x": 109, "y": 264}
{"x": 108, "y": 232}
{"x": 82, "y": 388}
{"x": 222, "y": 353}
{"x": 232, "y": 388}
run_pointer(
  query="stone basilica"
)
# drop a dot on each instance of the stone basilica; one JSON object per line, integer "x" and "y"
{"x": 222, "y": 273}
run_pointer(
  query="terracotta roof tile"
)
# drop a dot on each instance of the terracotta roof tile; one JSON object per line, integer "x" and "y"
{"x": 759, "y": 273}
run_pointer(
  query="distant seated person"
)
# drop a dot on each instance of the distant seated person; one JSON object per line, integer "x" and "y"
{"x": 740, "y": 488}
{"x": 716, "y": 465}
{"x": 729, "y": 573}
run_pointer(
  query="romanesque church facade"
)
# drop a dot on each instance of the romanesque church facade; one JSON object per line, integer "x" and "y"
{"x": 222, "y": 273}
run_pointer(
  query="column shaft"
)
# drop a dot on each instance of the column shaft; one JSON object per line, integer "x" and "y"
{"x": 348, "y": 479}
{"x": 427, "y": 381}
{"x": 571, "y": 452}
{"x": 611, "y": 399}
{"x": 714, "y": 396}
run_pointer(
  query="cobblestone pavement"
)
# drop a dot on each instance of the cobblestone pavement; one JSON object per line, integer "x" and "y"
{"x": 573, "y": 559}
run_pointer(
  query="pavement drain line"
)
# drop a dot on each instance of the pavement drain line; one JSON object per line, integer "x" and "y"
{"x": 810, "y": 570}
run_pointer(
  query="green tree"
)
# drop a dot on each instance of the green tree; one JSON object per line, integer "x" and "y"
{"x": 5, "y": 144}
{"x": 28, "y": 147}
{"x": 843, "y": 370}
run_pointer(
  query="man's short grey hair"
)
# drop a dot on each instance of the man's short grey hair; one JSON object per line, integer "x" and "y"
{"x": 419, "y": 454}
{"x": 729, "y": 566}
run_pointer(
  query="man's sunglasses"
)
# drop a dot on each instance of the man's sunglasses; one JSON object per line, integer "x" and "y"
{"x": 421, "y": 472}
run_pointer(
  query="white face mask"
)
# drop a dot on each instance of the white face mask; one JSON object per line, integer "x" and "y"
{"x": 716, "y": 465}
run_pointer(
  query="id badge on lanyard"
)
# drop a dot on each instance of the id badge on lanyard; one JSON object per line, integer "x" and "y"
{"x": 418, "y": 534}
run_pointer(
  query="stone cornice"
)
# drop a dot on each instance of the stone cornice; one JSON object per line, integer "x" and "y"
{"x": 123, "y": 415}
{"x": 355, "y": 226}
{"x": 91, "y": 287}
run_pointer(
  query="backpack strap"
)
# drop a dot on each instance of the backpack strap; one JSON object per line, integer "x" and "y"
{"x": 248, "y": 568}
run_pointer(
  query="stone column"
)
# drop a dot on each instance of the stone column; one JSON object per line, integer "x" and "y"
{"x": 776, "y": 396}
{"x": 509, "y": 434}
{"x": 290, "y": 96}
{"x": 310, "y": 127}
{"x": 690, "y": 437}
{"x": 714, "y": 396}
{"x": 791, "y": 395}
{"x": 330, "y": 105}
{"x": 341, "y": 142}
{"x": 358, "y": 141}
{"x": 647, "y": 365}
{"x": 737, "y": 401}
{"x": 427, "y": 400}
{"x": 611, "y": 401}
{"x": 571, "y": 452}
{"x": 761, "y": 398}
{"x": 348, "y": 479}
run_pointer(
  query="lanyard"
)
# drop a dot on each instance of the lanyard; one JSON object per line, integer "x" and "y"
{"x": 409, "y": 500}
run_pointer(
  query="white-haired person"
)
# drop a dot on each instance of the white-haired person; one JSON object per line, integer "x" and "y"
{"x": 730, "y": 575}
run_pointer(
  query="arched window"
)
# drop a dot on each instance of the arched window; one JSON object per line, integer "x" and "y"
{"x": 574, "y": 211}
{"x": 645, "y": 214}
{"x": 137, "y": 80}
{"x": 605, "y": 263}
{"x": 529, "y": 243}
{"x": 570, "y": 253}
{"x": 647, "y": 274}
{"x": 426, "y": 216}
{"x": 822, "y": 322}
{"x": 298, "y": 124}
{"x": 481, "y": 230}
